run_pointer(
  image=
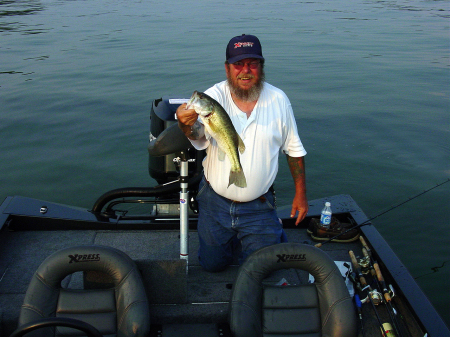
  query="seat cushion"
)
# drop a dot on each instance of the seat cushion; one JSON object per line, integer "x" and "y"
{"x": 96, "y": 307}
{"x": 291, "y": 310}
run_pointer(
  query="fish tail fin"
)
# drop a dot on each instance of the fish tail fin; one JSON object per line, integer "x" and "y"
{"x": 237, "y": 178}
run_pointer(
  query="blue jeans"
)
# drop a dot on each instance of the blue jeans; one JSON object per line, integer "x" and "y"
{"x": 222, "y": 224}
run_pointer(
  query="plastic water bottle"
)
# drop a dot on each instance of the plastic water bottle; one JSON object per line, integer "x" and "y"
{"x": 325, "y": 216}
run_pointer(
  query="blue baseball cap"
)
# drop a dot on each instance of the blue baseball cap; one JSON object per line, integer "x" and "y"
{"x": 243, "y": 47}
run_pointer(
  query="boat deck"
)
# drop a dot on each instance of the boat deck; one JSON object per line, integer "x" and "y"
{"x": 182, "y": 304}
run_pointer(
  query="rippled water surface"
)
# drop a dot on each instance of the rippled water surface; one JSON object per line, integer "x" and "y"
{"x": 368, "y": 80}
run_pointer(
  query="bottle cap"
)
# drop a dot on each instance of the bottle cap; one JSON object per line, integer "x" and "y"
{"x": 327, "y": 204}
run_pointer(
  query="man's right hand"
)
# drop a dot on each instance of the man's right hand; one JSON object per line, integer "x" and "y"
{"x": 189, "y": 124}
{"x": 186, "y": 117}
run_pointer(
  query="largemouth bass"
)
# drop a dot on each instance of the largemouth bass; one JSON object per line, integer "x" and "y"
{"x": 218, "y": 124}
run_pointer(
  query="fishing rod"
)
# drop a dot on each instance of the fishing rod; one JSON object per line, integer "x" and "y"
{"x": 364, "y": 284}
{"x": 382, "y": 213}
{"x": 376, "y": 273}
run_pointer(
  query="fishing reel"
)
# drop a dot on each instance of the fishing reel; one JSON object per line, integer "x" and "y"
{"x": 377, "y": 297}
{"x": 364, "y": 263}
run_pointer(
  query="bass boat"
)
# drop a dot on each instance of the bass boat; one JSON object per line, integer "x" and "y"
{"x": 128, "y": 266}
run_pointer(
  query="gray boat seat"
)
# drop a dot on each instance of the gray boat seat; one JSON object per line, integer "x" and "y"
{"x": 323, "y": 308}
{"x": 119, "y": 311}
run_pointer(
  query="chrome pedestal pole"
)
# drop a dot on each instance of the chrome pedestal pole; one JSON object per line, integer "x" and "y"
{"x": 184, "y": 210}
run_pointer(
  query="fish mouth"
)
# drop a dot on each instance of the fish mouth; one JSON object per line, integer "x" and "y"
{"x": 207, "y": 115}
{"x": 192, "y": 100}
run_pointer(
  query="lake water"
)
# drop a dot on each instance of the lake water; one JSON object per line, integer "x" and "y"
{"x": 368, "y": 81}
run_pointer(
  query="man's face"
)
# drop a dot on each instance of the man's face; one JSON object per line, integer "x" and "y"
{"x": 245, "y": 78}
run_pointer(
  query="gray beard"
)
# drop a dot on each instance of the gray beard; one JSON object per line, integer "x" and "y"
{"x": 250, "y": 95}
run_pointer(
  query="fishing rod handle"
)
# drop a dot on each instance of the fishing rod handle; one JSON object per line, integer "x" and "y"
{"x": 365, "y": 245}
{"x": 353, "y": 258}
{"x": 387, "y": 296}
{"x": 365, "y": 252}
{"x": 378, "y": 271}
{"x": 362, "y": 280}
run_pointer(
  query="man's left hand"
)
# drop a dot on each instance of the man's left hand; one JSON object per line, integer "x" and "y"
{"x": 300, "y": 205}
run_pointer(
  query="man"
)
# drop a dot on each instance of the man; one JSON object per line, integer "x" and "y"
{"x": 262, "y": 116}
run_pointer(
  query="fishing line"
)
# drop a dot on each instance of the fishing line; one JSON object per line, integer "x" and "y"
{"x": 382, "y": 213}
{"x": 434, "y": 270}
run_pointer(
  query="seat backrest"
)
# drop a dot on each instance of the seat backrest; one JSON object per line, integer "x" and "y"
{"x": 323, "y": 308}
{"x": 121, "y": 311}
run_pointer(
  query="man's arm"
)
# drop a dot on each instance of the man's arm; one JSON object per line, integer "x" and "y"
{"x": 189, "y": 124}
{"x": 300, "y": 203}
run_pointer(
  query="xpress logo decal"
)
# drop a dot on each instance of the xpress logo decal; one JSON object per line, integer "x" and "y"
{"x": 289, "y": 257}
{"x": 84, "y": 258}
